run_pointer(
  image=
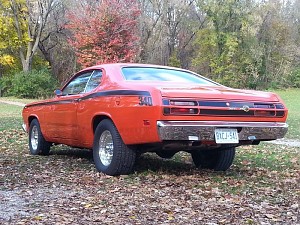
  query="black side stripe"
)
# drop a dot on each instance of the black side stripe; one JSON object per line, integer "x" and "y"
{"x": 115, "y": 92}
{"x": 95, "y": 95}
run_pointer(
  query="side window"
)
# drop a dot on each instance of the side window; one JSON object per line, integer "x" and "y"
{"x": 94, "y": 81}
{"x": 78, "y": 84}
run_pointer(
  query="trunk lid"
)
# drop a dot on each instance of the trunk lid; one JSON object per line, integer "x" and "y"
{"x": 217, "y": 93}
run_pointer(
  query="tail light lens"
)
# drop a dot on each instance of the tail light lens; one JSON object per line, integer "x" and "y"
{"x": 180, "y": 107}
{"x": 264, "y": 113}
{"x": 183, "y": 103}
{"x": 183, "y": 111}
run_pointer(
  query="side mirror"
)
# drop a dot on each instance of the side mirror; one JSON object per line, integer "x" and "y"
{"x": 58, "y": 93}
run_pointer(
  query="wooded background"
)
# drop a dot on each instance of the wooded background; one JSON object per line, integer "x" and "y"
{"x": 240, "y": 43}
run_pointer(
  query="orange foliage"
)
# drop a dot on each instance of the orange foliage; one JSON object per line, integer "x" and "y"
{"x": 105, "y": 33}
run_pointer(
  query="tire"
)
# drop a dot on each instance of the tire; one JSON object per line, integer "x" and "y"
{"x": 219, "y": 159}
{"x": 37, "y": 143}
{"x": 111, "y": 155}
{"x": 166, "y": 154}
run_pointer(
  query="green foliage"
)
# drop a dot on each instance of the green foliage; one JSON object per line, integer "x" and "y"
{"x": 294, "y": 78}
{"x": 244, "y": 48}
{"x": 11, "y": 38}
{"x": 218, "y": 63}
{"x": 220, "y": 44}
{"x": 34, "y": 84}
{"x": 174, "y": 61}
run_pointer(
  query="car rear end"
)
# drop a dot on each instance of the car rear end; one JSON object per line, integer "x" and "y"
{"x": 221, "y": 117}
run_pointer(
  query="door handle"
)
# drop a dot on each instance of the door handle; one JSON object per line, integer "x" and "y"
{"x": 76, "y": 100}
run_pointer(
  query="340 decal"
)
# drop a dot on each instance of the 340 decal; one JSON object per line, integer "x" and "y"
{"x": 145, "y": 100}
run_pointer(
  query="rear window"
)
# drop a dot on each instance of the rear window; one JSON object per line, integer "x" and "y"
{"x": 161, "y": 74}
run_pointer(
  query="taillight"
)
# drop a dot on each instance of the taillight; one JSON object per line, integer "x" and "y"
{"x": 183, "y": 111}
{"x": 264, "y": 113}
{"x": 180, "y": 107}
{"x": 183, "y": 103}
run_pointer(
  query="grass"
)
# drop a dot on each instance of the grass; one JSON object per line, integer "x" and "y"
{"x": 291, "y": 97}
{"x": 10, "y": 116}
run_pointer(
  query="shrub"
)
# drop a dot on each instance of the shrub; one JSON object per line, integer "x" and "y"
{"x": 33, "y": 84}
{"x": 294, "y": 78}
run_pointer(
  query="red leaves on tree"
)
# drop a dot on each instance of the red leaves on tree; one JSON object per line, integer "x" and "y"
{"x": 105, "y": 33}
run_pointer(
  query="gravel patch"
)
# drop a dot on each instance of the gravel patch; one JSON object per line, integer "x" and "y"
{"x": 22, "y": 203}
{"x": 12, "y": 103}
{"x": 287, "y": 142}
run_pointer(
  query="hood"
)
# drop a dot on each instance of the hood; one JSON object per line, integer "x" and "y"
{"x": 217, "y": 93}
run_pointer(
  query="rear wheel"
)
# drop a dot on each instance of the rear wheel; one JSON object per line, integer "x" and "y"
{"x": 219, "y": 159}
{"x": 37, "y": 143}
{"x": 111, "y": 155}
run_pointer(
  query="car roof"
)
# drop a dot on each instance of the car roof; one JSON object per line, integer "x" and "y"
{"x": 120, "y": 65}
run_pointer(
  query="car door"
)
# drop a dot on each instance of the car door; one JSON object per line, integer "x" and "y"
{"x": 62, "y": 120}
{"x": 86, "y": 108}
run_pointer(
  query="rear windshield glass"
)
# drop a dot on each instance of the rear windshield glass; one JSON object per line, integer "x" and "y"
{"x": 161, "y": 74}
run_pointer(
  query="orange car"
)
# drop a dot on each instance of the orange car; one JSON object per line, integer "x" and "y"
{"x": 121, "y": 110}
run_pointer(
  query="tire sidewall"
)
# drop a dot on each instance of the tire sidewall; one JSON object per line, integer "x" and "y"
{"x": 103, "y": 126}
{"x": 37, "y": 151}
{"x": 205, "y": 159}
{"x": 219, "y": 159}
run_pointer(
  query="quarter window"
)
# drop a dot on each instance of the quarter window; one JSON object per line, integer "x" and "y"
{"x": 94, "y": 81}
{"x": 83, "y": 83}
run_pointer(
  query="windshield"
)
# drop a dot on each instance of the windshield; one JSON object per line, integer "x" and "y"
{"x": 162, "y": 74}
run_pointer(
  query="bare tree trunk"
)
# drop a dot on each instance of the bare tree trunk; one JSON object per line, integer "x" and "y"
{"x": 36, "y": 17}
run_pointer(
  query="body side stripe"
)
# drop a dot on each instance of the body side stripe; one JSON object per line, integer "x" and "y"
{"x": 95, "y": 95}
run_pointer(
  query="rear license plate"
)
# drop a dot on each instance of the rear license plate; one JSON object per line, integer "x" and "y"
{"x": 226, "y": 136}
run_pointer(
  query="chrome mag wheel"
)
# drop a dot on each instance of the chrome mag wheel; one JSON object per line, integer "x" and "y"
{"x": 34, "y": 138}
{"x": 106, "y": 148}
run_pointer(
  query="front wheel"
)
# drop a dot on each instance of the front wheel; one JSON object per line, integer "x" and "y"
{"x": 219, "y": 159}
{"x": 111, "y": 155}
{"x": 37, "y": 143}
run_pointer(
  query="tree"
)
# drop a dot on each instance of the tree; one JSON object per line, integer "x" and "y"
{"x": 167, "y": 31}
{"x": 29, "y": 19}
{"x": 54, "y": 43}
{"x": 220, "y": 42}
{"x": 5, "y": 34}
{"x": 105, "y": 32}
{"x": 9, "y": 39}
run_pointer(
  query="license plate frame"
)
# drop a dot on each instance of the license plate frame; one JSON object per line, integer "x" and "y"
{"x": 226, "y": 136}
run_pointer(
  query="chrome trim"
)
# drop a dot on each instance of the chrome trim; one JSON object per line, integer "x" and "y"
{"x": 24, "y": 127}
{"x": 106, "y": 148}
{"x": 34, "y": 138}
{"x": 181, "y": 130}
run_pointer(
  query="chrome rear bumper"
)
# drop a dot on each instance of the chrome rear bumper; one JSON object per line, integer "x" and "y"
{"x": 205, "y": 130}
{"x": 24, "y": 127}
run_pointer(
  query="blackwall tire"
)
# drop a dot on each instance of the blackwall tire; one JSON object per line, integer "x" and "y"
{"x": 37, "y": 143}
{"x": 111, "y": 156}
{"x": 219, "y": 159}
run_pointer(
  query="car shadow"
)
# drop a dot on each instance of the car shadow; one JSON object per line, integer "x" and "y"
{"x": 72, "y": 152}
{"x": 149, "y": 163}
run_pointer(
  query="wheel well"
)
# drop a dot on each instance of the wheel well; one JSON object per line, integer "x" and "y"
{"x": 30, "y": 119}
{"x": 97, "y": 120}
